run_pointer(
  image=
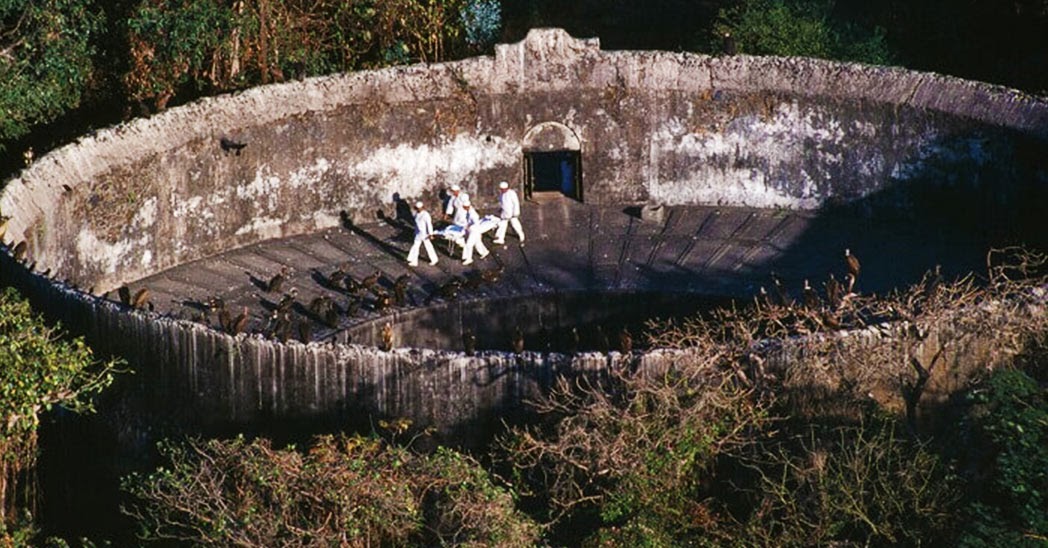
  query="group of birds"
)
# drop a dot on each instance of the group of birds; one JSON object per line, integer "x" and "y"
{"x": 374, "y": 291}
{"x": 837, "y": 293}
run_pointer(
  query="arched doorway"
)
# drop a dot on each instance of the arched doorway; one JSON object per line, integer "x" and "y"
{"x": 552, "y": 161}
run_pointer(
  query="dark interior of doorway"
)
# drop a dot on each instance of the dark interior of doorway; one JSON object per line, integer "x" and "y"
{"x": 554, "y": 171}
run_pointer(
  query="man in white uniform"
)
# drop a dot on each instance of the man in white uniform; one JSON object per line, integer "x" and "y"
{"x": 454, "y": 209}
{"x": 510, "y": 213}
{"x": 473, "y": 233}
{"x": 423, "y": 233}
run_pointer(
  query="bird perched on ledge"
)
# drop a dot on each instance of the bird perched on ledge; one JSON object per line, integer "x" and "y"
{"x": 400, "y": 290}
{"x": 276, "y": 283}
{"x": 469, "y": 342}
{"x": 811, "y": 298}
{"x": 625, "y": 341}
{"x": 517, "y": 341}
{"x": 852, "y": 262}
{"x": 387, "y": 337}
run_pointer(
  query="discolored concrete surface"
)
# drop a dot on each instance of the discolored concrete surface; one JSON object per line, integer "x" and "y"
{"x": 572, "y": 248}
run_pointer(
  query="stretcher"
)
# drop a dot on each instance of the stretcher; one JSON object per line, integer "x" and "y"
{"x": 456, "y": 235}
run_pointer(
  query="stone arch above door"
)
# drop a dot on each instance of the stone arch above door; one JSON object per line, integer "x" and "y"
{"x": 549, "y": 136}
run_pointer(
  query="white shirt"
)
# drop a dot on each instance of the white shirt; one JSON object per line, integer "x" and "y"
{"x": 471, "y": 218}
{"x": 510, "y": 204}
{"x": 423, "y": 223}
{"x": 455, "y": 208}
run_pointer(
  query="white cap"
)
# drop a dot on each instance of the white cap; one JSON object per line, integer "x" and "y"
{"x": 455, "y": 188}
{"x": 419, "y": 205}
{"x": 503, "y": 185}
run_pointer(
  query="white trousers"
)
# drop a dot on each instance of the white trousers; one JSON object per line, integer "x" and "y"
{"x": 474, "y": 241}
{"x": 500, "y": 234}
{"x": 413, "y": 253}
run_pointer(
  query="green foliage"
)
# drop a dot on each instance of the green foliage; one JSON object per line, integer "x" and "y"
{"x": 173, "y": 42}
{"x": 202, "y": 46}
{"x": 348, "y": 491}
{"x": 482, "y": 20}
{"x": 803, "y": 28}
{"x": 1009, "y": 421}
{"x": 41, "y": 368}
{"x": 45, "y": 60}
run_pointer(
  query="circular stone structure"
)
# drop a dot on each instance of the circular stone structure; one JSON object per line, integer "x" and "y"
{"x": 655, "y": 181}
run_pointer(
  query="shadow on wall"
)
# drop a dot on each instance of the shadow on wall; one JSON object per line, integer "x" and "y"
{"x": 966, "y": 194}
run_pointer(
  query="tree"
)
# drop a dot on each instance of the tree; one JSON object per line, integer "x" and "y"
{"x": 45, "y": 61}
{"x": 42, "y": 369}
{"x": 800, "y": 28}
{"x": 191, "y": 47}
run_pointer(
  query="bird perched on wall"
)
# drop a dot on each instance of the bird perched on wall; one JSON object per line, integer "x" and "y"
{"x": 572, "y": 342}
{"x": 276, "y": 283}
{"x": 517, "y": 340}
{"x": 353, "y": 306}
{"x": 833, "y": 291}
{"x": 352, "y": 286}
{"x": 239, "y": 323}
{"x": 337, "y": 278}
{"x": 305, "y": 331}
{"x": 229, "y": 145}
{"x": 781, "y": 297}
{"x": 20, "y": 251}
{"x": 387, "y": 336}
{"x": 324, "y": 307}
{"x": 400, "y": 290}
{"x": 852, "y": 262}
{"x": 279, "y": 326}
{"x": 811, "y": 298}
{"x": 728, "y": 46}
{"x": 225, "y": 319}
{"x": 469, "y": 342}
{"x": 287, "y": 301}
{"x": 124, "y": 293}
{"x": 625, "y": 341}
{"x": 141, "y": 299}
{"x": 382, "y": 300}
{"x": 370, "y": 281}
{"x": 934, "y": 281}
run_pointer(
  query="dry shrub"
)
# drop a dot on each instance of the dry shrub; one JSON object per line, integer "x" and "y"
{"x": 344, "y": 491}
{"x": 646, "y": 451}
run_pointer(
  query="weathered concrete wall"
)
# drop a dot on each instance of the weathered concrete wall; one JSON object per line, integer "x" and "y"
{"x": 653, "y": 126}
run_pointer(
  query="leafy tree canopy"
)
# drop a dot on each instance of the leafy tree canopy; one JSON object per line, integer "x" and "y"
{"x": 800, "y": 28}
{"x": 45, "y": 60}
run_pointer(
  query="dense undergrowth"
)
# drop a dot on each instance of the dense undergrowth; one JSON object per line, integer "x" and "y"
{"x": 821, "y": 435}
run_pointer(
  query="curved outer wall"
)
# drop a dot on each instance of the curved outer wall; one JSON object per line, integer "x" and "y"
{"x": 656, "y": 127}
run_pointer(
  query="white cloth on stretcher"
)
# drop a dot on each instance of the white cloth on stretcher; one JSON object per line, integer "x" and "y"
{"x": 452, "y": 232}
{"x": 456, "y": 232}
{"x": 487, "y": 223}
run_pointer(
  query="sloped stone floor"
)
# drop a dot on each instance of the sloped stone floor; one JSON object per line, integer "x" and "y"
{"x": 706, "y": 250}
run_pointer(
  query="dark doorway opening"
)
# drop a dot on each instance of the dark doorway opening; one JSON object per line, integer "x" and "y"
{"x": 555, "y": 171}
